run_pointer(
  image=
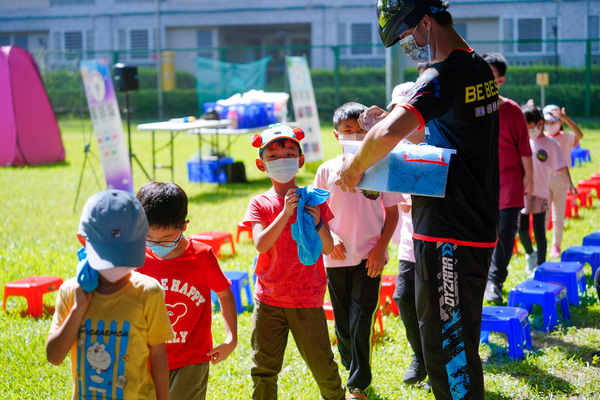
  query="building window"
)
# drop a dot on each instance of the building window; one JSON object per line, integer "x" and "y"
{"x": 73, "y": 45}
{"x": 140, "y": 43}
{"x": 530, "y": 35}
{"x": 21, "y": 40}
{"x": 551, "y": 34}
{"x": 361, "y": 34}
{"x": 594, "y": 32}
{"x": 204, "y": 38}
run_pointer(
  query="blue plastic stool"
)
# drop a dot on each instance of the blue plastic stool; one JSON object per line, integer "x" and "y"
{"x": 593, "y": 239}
{"x": 513, "y": 322}
{"x": 583, "y": 254}
{"x": 239, "y": 280}
{"x": 569, "y": 274}
{"x": 547, "y": 295}
{"x": 579, "y": 154}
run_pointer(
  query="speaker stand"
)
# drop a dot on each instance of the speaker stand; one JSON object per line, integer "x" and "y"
{"x": 86, "y": 152}
{"x": 131, "y": 154}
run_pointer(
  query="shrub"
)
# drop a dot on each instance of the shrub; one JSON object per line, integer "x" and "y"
{"x": 364, "y": 85}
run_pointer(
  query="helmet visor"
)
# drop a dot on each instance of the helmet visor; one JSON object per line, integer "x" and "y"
{"x": 394, "y": 17}
{"x": 386, "y": 9}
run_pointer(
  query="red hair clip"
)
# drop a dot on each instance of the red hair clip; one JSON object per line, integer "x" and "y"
{"x": 299, "y": 133}
{"x": 256, "y": 140}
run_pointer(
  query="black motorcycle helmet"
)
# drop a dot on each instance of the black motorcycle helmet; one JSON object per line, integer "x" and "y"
{"x": 396, "y": 16}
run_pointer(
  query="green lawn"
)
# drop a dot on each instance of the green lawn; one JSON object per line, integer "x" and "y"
{"x": 37, "y": 236}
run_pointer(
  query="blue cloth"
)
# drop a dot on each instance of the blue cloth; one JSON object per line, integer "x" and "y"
{"x": 304, "y": 231}
{"x": 87, "y": 277}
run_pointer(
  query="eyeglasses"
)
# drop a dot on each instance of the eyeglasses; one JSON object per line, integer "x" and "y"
{"x": 167, "y": 244}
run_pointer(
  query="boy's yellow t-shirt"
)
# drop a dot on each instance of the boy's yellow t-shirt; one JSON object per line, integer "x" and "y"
{"x": 110, "y": 358}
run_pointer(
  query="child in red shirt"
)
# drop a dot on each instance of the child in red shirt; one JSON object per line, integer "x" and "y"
{"x": 187, "y": 270}
{"x": 289, "y": 295}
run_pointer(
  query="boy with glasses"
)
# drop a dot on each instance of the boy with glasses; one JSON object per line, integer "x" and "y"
{"x": 187, "y": 270}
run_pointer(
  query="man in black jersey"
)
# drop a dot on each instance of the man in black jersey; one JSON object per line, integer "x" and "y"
{"x": 457, "y": 98}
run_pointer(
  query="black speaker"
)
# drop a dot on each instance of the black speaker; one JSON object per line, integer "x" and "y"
{"x": 125, "y": 78}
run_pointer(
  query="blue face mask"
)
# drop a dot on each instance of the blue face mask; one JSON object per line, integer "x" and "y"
{"x": 162, "y": 250}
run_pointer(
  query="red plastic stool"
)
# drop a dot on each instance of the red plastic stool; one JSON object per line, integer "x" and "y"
{"x": 243, "y": 228}
{"x": 33, "y": 289}
{"x": 215, "y": 239}
{"x": 328, "y": 308}
{"x": 584, "y": 196}
{"x": 388, "y": 287}
{"x": 571, "y": 209}
{"x": 590, "y": 184}
{"x": 516, "y": 246}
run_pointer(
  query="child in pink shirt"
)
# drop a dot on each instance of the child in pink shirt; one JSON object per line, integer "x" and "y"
{"x": 554, "y": 117}
{"x": 362, "y": 228}
{"x": 547, "y": 157}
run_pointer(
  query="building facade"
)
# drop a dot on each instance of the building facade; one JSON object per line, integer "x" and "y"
{"x": 61, "y": 32}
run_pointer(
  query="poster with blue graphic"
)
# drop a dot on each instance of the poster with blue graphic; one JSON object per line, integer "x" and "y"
{"x": 305, "y": 107}
{"x": 106, "y": 119}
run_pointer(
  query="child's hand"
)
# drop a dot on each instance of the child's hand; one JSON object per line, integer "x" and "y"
{"x": 370, "y": 117}
{"x": 221, "y": 352}
{"x": 315, "y": 211}
{"x": 405, "y": 206}
{"x": 348, "y": 178}
{"x": 375, "y": 261}
{"x": 560, "y": 113}
{"x": 82, "y": 299}
{"x": 339, "y": 250}
{"x": 291, "y": 202}
{"x": 573, "y": 190}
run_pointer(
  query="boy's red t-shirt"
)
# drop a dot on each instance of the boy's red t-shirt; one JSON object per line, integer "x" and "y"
{"x": 187, "y": 281}
{"x": 282, "y": 280}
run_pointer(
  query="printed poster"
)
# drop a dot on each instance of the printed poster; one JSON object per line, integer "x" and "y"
{"x": 106, "y": 119}
{"x": 305, "y": 107}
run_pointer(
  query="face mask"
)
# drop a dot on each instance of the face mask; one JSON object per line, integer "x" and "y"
{"x": 552, "y": 129}
{"x": 356, "y": 137}
{"x": 534, "y": 132}
{"x": 116, "y": 273}
{"x": 412, "y": 50}
{"x": 160, "y": 250}
{"x": 283, "y": 170}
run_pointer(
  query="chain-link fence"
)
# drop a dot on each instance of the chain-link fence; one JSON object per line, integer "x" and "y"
{"x": 340, "y": 74}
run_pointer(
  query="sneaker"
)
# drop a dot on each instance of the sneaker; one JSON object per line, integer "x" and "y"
{"x": 555, "y": 252}
{"x": 531, "y": 263}
{"x": 493, "y": 293}
{"x": 356, "y": 394}
{"x": 427, "y": 386}
{"x": 416, "y": 372}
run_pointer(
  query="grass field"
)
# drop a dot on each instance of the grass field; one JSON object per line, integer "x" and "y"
{"x": 39, "y": 219}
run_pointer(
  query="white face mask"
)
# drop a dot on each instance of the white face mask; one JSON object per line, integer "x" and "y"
{"x": 412, "y": 50}
{"x": 552, "y": 129}
{"x": 356, "y": 137}
{"x": 116, "y": 273}
{"x": 283, "y": 170}
{"x": 534, "y": 132}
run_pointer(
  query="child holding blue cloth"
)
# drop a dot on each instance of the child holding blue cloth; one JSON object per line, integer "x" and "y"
{"x": 289, "y": 294}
